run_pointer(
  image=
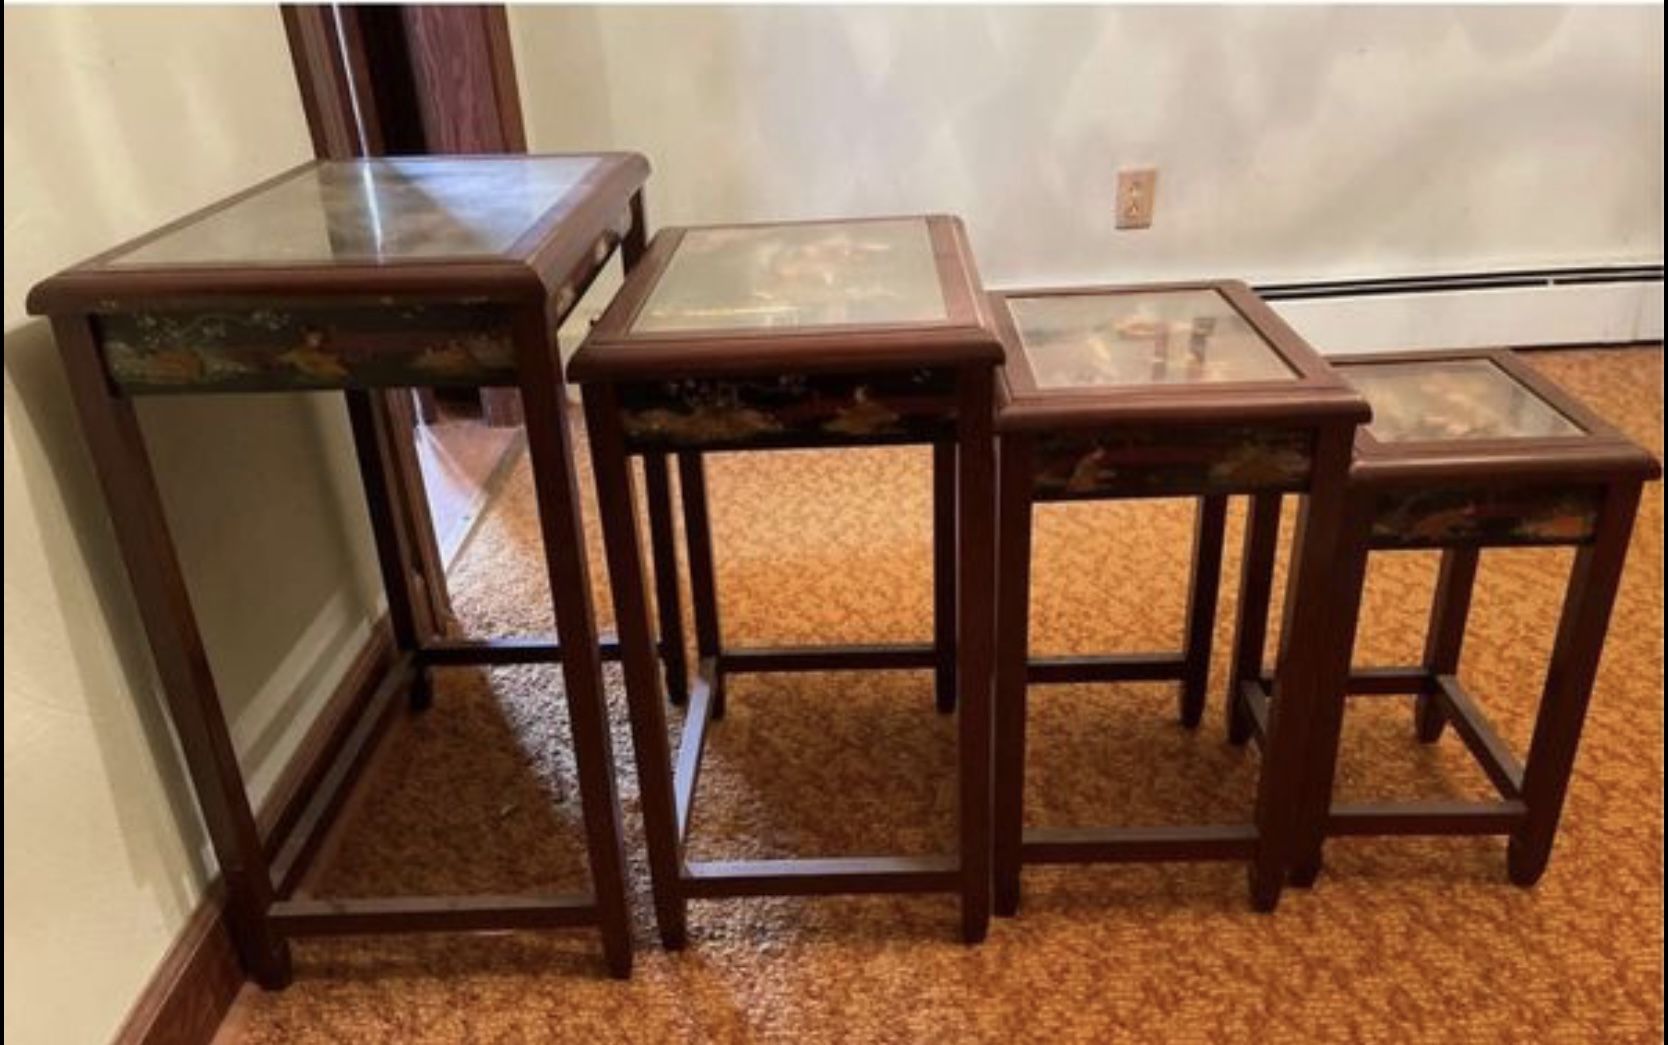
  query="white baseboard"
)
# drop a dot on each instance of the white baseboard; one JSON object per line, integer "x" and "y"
{"x": 1586, "y": 314}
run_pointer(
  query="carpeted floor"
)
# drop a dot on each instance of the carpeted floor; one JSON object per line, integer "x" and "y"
{"x": 1402, "y": 940}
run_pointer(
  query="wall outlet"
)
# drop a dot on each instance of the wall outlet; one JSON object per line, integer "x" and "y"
{"x": 1137, "y": 189}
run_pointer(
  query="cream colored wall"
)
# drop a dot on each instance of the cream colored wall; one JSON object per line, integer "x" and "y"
{"x": 118, "y": 119}
{"x": 1294, "y": 143}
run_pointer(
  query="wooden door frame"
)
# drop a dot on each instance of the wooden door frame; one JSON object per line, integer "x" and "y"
{"x": 329, "y": 48}
{"x": 426, "y": 78}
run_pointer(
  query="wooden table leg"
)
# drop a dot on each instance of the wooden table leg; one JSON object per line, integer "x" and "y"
{"x": 1450, "y": 606}
{"x": 944, "y": 573}
{"x": 636, "y": 239}
{"x": 703, "y": 582}
{"x": 368, "y": 417}
{"x": 124, "y": 470}
{"x": 428, "y": 405}
{"x": 1326, "y": 655}
{"x": 1569, "y": 682}
{"x": 637, "y": 655}
{"x": 975, "y": 636}
{"x": 550, "y": 453}
{"x": 1309, "y": 671}
{"x": 1013, "y": 603}
{"x": 425, "y": 572}
{"x": 658, "y": 483}
{"x": 668, "y": 603}
{"x": 1210, "y": 524}
{"x": 1256, "y": 588}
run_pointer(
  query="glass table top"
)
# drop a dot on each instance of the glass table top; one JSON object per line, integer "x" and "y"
{"x": 878, "y": 272}
{"x": 373, "y": 211}
{"x": 1461, "y": 399}
{"x": 1163, "y": 337}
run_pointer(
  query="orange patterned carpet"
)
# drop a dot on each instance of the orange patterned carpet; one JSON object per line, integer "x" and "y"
{"x": 1402, "y": 940}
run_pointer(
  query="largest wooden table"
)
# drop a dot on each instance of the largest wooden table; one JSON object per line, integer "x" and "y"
{"x": 360, "y": 275}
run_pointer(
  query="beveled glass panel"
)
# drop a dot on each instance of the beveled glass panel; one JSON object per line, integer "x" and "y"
{"x": 1162, "y": 337}
{"x": 812, "y": 275}
{"x": 1461, "y": 399}
{"x": 375, "y": 210}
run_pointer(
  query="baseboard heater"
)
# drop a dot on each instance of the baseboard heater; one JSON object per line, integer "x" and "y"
{"x": 1356, "y": 288}
{"x": 1603, "y": 305}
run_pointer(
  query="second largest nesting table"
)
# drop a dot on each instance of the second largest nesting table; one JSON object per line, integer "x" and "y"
{"x": 815, "y": 334}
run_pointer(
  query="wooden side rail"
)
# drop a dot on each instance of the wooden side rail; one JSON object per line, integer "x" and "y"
{"x": 1426, "y": 818}
{"x": 518, "y": 649}
{"x": 402, "y": 914}
{"x": 822, "y": 877}
{"x": 1117, "y": 667}
{"x": 686, "y": 772}
{"x": 1083, "y": 845}
{"x": 1485, "y": 745}
{"x": 302, "y": 842}
{"x": 880, "y": 657}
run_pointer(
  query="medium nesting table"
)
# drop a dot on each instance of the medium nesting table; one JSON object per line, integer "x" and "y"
{"x": 1182, "y": 390}
{"x": 1465, "y": 452}
{"x": 358, "y": 276}
{"x": 819, "y": 334}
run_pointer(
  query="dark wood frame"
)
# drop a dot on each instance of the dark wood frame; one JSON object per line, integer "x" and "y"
{"x": 613, "y": 360}
{"x": 1315, "y": 403}
{"x": 1531, "y": 792}
{"x": 534, "y": 285}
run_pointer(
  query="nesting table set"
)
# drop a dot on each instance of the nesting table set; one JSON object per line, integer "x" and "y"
{"x": 360, "y": 276}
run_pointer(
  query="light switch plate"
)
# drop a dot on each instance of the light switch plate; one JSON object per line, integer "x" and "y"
{"x": 1137, "y": 189}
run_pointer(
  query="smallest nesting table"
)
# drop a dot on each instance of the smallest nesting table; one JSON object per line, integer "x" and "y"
{"x": 1183, "y": 390}
{"x": 1466, "y": 452}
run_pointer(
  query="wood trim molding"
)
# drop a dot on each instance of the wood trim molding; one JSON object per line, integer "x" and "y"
{"x": 323, "y": 84}
{"x": 193, "y": 988}
{"x": 196, "y": 982}
{"x": 300, "y": 775}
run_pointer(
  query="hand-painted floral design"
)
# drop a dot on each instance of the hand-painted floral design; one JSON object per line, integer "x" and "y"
{"x": 1161, "y": 462}
{"x": 316, "y": 357}
{"x": 1426, "y": 518}
{"x": 704, "y": 423}
{"x": 366, "y": 345}
{"x": 791, "y": 410}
